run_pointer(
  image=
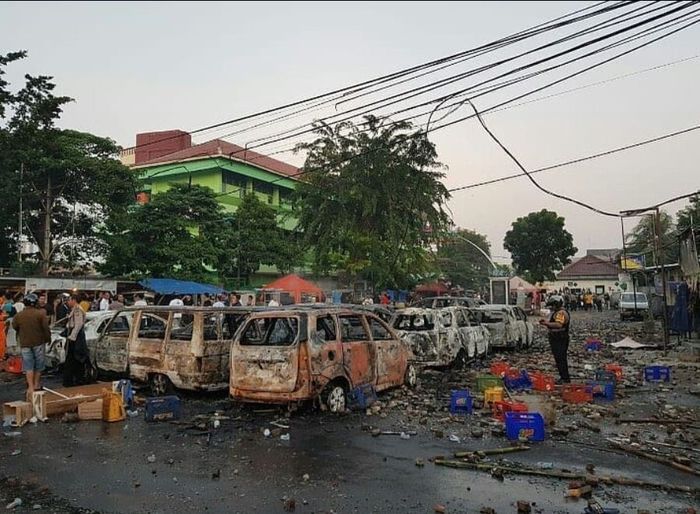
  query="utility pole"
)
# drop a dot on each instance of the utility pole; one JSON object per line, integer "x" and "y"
{"x": 20, "y": 230}
{"x": 659, "y": 253}
{"x": 46, "y": 250}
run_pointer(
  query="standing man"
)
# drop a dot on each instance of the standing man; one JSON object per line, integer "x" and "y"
{"x": 77, "y": 354}
{"x": 32, "y": 327}
{"x": 117, "y": 304}
{"x": 46, "y": 307}
{"x": 139, "y": 301}
{"x": 234, "y": 301}
{"x": 104, "y": 302}
{"x": 558, "y": 326}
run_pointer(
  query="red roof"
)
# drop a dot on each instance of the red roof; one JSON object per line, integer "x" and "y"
{"x": 433, "y": 287}
{"x": 590, "y": 266}
{"x": 221, "y": 148}
{"x": 296, "y": 285}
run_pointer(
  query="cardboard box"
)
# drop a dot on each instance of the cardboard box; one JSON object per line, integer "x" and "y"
{"x": 17, "y": 413}
{"x": 90, "y": 410}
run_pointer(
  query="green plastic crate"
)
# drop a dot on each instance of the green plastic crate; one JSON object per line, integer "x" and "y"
{"x": 485, "y": 381}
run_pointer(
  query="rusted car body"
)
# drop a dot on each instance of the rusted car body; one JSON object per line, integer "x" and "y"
{"x": 442, "y": 337}
{"x": 508, "y": 325}
{"x": 295, "y": 355}
{"x": 440, "y": 302}
{"x": 184, "y": 347}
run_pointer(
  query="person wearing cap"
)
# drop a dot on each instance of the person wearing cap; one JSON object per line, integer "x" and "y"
{"x": 558, "y": 327}
{"x": 77, "y": 353}
{"x": 32, "y": 327}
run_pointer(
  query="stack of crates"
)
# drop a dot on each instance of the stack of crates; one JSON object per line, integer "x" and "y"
{"x": 516, "y": 379}
{"x": 501, "y": 408}
{"x": 657, "y": 374}
{"x": 483, "y": 382}
{"x": 461, "y": 402}
{"x": 524, "y": 426}
{"x": 604, "y": 390}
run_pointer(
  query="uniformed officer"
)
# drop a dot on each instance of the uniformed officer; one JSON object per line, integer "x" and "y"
{"x": 558, "y": 326}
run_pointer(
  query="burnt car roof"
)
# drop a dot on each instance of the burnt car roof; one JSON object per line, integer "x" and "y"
{"x": 191, "y": 308}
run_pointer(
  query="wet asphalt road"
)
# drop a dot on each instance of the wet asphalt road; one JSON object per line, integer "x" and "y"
{"x": 235, "y": 468}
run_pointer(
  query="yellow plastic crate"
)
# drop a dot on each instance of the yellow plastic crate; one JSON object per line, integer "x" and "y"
{"x": 493, "y": 394}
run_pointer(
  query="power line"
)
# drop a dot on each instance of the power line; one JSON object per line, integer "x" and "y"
{"x": 578, "y": 160}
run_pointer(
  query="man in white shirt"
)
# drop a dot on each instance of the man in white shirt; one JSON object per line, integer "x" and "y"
{"x": 177, "y": 317}
{"x": 139, "y": 301}
{"x": 220, "y": 301}
{"x": 104, "y": 302}
{"x": 273, "y": 303}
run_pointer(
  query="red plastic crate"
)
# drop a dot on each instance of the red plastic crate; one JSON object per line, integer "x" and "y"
{"x": 615, "y": 368}
{"x": 14, "y": 365}
{"x": 576, "y": 393}
{"x": 499, "y": 368}
{"x": 500, "y": 408}
{"x": 541, "y": 381}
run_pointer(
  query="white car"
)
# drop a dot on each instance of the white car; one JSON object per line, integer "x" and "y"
{"x": 441, "y": 337}
{"x": 631, "y": 309}
{"x": 508, "y": 326}
{"x": 95, "y": 323}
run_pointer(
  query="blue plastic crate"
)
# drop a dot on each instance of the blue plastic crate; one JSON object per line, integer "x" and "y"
{"x": 593, "y": 346}
{"x": 522, "y": 382}
{"x": 657, "y": 374}
{"x": 528, "y": 425}
{"x": 362, "y": 396}
{"x": 163, "y": 408}
{"x": 605, "y": 376}
{"x": 602, "y": 389}
{"x": 461, "y": 402}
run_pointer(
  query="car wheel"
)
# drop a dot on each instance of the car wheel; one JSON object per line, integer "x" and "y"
{"x": 160, "y": 384}
{"x": 335, "y": 398}
{"x": 411, "y": 376}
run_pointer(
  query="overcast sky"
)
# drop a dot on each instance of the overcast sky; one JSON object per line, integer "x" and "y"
{"x": 135, "y": 67}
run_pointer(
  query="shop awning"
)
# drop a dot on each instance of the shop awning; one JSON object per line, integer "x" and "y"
{"x": 178, "y": 287}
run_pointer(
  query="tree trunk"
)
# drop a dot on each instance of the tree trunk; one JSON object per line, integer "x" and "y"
{"x": 46, "y": 250}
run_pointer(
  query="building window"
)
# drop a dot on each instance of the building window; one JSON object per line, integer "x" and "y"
{"x": 234, "y": 184}
{"x": 285, "y": 197}
{"x": 265, "y": 189}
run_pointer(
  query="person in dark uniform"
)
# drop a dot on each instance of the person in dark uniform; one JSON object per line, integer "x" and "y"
{"x": 558, "y": 327}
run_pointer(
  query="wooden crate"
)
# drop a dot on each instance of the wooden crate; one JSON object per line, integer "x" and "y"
{"x": 90, "y": 410}
{"x": 17, "y": 413}
{"x": 56, "y": 402}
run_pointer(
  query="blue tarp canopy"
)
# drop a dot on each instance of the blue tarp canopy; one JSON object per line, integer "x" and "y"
{"x": 178, "y": 287}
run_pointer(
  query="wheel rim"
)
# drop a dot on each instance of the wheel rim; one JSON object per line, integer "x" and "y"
{"x": 412, "y": 375}
{"x": 159, "y": 384}
{"x": 336, "y": 399}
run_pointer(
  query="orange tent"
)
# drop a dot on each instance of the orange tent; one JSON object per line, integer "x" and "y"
{"x": 297, "y": 287}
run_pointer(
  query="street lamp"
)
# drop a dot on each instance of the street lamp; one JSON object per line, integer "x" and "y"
{"x": 462, "y": 238}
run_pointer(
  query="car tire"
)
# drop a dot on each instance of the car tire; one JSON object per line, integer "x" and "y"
{"x": 335, "y": 398}
{"x": 160, "y": 384}
{"x": 411, "y": 376}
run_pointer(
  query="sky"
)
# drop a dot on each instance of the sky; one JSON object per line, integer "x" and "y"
{"x": 136, "y": 67}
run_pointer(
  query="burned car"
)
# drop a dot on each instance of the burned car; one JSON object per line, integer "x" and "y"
{"x": 182, "y": 347}
{"x": 508, "y": 325}
{"x": 440, "y": 302}
{"x": 442, "y": 337}
{"x": 95, "y": 323}
{"x": 289, "y": 356}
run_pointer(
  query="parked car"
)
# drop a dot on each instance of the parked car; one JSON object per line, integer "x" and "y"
{"x": 293, "y": 355}
{"x": 508, "y": 326}
{"x": 95, "y": 323}
{"x": 182, "y": 347}
{"x": 438, "y": 302}
{"x": 629, "y": 309}
{"x": 442, "y": 337}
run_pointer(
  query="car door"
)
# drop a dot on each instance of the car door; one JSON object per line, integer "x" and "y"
{"x": 112, "y": 348}
{"x": 359, "y": 355}
{"x": 265, "y": 354}
{"x": 325, "y": 350}
{"x": 146, "y": 347}
{"x": 451, "y": 340}
{"x": 391, "y": 359}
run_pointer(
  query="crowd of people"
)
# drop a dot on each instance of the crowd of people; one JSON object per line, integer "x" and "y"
{"x": 584, "y": 300}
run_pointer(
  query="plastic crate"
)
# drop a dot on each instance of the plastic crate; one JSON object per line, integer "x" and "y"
{"x": 499, "y": 368}
{"x": 493, "y": 394}
{"x": 501, "y": 408}
{"x": 576, "y": 393}
{"x": 542, "y": 381}
{"x": 615, "y": 368}
{"x": 362, "y": 397}
{"x": 604, "y": 390}
{"x": 163, "y": 408}
{"x": 593, "y": 345}
{"x": 524, "y": 425}
{"x": 605, "y": 376}
{"x": 14, "y": 365}
{"x": 124, "y": 388}
{"x": 483, "y": 382}
{"x": 657, "y": 374}
{"x": 461, "y": 402}
{"x": 515, "y": 379}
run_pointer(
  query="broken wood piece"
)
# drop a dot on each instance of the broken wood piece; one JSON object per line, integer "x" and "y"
{"x": 579, "y": 491}
{"x": 492, "y": 451}
{"x": 655, "y": 421}
{"x": 655, "y": 458}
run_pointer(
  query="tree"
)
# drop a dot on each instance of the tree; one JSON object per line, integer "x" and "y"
{"x": 463, "y": 264}
{"x": 539, "y": 245}
{"x": 252, "y": 237}
{"x": 690, "y": 217}
{"x": 171, "y": 236}
{"x": 371, "y": 201}
{"x": 641, "y": 239}
{"x": 69, "y": 181}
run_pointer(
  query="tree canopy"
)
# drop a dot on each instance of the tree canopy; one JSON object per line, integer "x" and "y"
{"x": 539, "y": 245}
{"x": 69, "y": 182}
{"x": 461, "y": 263}
{"x": 371, "y": 201}
{"x": 641, "y": 239}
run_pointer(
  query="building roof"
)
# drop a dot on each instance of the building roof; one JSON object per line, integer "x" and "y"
{"x": 604, "y": 253}
{"x": 589, "y": 266}
{"x": 221, "y": 148}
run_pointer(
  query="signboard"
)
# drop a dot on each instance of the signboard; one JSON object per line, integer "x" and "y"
{"x": 633, "y": 262}
{"x": 499, "y": 291}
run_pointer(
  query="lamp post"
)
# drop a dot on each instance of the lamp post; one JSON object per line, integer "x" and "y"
{"x": 462, "y": 238}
